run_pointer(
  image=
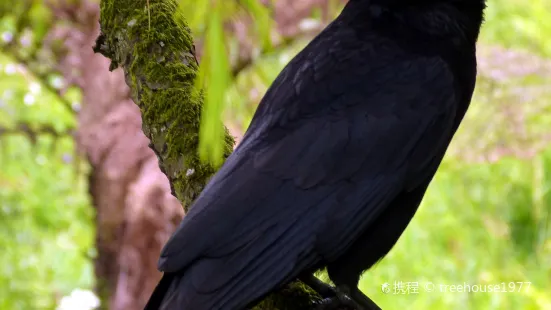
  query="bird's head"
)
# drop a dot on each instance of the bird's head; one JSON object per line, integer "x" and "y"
{"x": 390, "y": 3}
{"x": 434, "y": 17}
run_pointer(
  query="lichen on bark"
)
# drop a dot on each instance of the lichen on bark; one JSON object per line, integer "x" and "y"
{"x": 150, "y": 40}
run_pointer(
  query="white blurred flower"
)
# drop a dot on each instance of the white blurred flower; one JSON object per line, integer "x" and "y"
{"x": 58, "y": 82}
{"x": 76, "y": 106}
{"x": 284, "y": 58}
{"x": 25, "y": 41}
{"x": 10, "y": 69}
{"x": 7, "y": 36}
{"x": 29, "y": 99}
{"x": 34, "y": 87}
{"x": 79, "y": 300}
{"x": 309, "y": 24}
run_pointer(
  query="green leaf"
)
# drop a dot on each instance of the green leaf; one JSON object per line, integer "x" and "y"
{"x": 215, "y": 73}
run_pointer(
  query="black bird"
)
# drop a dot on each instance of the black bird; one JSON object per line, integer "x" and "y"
{"x": 336, "y": 160}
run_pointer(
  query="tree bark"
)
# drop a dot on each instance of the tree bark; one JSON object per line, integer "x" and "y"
{"x": 135, "y": 211}
{"x": 160, "y": 66}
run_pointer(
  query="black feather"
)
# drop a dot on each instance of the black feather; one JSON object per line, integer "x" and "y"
{"x": 335, "y": 162}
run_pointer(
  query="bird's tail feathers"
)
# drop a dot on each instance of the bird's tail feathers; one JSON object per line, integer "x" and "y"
{"x": 156, "y": 299}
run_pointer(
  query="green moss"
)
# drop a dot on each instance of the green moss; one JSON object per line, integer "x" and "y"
{"x": 161, "y": 70}
{"x": 295, "y": 295}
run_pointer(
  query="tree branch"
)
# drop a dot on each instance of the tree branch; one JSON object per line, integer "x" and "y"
{"x": 41, "y": 77}
{"x": 32, "y": 131}
{"x": 160, "y": 68}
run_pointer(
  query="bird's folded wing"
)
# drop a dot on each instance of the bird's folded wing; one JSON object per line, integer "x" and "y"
{"x": 302, "y": 170}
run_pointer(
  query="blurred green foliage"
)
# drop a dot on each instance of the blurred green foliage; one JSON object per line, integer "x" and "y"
{"x": 481, "y": 224}
{"x": 485, "y": 219}
{"x": 519, "y": 24}
{"x": 46, "y": 223}
{"x": 46, "y": 228}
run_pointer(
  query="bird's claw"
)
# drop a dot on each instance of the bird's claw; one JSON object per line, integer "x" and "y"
{"x": 340, "y": 301}
{"x": 332, "y": 303}
{"x": 338, "y": 297}
{"x": 335, "y": 303}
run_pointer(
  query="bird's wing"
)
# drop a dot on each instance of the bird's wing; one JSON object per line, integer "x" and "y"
{"x": 338, "y": 130}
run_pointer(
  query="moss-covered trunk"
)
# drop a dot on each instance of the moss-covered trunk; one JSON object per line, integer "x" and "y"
{"x": 149, "y": 39}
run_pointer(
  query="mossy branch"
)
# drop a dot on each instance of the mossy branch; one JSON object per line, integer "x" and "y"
{"x": 150, "y": 40}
